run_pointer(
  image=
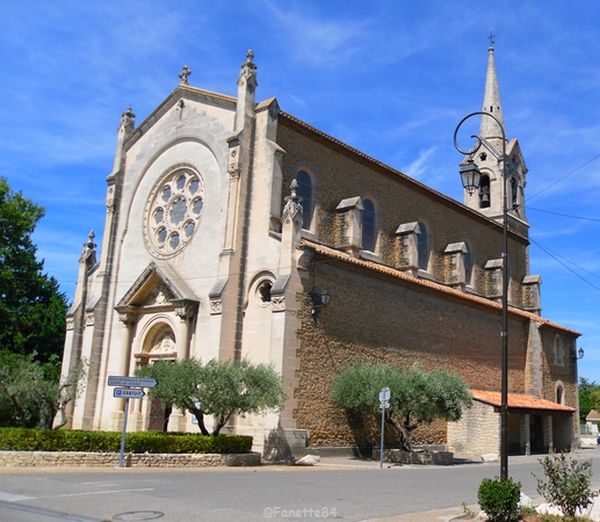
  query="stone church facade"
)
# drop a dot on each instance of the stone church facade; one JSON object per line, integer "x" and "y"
{"x": 235, "y": 230}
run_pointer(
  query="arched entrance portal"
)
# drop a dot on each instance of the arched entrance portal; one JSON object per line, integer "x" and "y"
{"x": 159, "y": 345}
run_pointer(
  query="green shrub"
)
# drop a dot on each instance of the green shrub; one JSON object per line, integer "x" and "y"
{"x": 500, "y": 499}
{"x": 23, "y": 439}
{"x": 567, "y": 483}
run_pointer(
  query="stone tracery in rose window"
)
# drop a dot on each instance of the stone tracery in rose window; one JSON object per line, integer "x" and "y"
{"x": 173, "y": 212}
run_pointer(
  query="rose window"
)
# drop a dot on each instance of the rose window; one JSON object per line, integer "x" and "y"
{"x": 173, "y": 211}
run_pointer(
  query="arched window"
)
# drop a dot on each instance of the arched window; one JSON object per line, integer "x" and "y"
{"x": 484, "y": 191}
{"x": 468, "y": 262}
{"x": 560, "y": 393}
{"x": 368, "y": 225}
{"x": 305, "y": 195}
{"x": 514, "y": 193}
{"x": 423, "y": 247}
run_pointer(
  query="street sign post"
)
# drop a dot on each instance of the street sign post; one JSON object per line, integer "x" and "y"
{"x": 384, "y": 404}
{"x": 128, "y": 388}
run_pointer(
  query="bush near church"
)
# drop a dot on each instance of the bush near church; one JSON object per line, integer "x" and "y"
{"x": 23, "y": 439}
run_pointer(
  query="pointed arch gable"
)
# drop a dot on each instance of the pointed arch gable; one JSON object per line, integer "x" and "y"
{"x": 158, "y": 288}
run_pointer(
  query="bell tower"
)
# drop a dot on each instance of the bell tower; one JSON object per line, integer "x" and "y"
{"x": 492, "y": 158}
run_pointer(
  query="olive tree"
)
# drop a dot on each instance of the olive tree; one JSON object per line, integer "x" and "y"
{"x": 32, "y": 394}
{"x": 416, "y": 396}
{"x": 218, "y": 388}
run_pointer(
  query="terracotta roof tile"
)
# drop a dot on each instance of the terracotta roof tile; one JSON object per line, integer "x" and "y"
{"x": 519, "y": 401}
{"x": 398, "y": 274}
{"x": 593, "y": 415}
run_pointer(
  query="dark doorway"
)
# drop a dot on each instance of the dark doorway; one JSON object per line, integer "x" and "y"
{"x": 536, "y": 433}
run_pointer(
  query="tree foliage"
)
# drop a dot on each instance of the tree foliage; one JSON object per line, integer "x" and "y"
{"x": 32, "y": 309}
{"x": 218, "y": 388}
{"x": 416, "y": 396}
{"x": 589, "y": 397}
{"x": 32, "y": 393}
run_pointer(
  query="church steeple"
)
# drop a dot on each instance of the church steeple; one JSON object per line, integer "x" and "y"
{"x": 489, "y": 198}
{"x": 491, "y": 98}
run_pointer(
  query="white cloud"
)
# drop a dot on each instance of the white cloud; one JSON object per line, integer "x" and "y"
{"x": 418, "y": 167}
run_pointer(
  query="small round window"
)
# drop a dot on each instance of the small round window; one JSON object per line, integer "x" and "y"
{"x": 173, "y": 211}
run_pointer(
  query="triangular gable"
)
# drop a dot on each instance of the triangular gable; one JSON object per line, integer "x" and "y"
{"x": 513, "y": 150}
{"x": 181, "y": 92}
{"x": 156, "y": 286}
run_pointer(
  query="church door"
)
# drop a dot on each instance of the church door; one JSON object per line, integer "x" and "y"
{"x": 159, "y": 416}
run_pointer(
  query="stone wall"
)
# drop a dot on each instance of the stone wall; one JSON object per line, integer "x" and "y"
{"x": 477, "y": 433}
{"x": 438, "y": 458}
{"x": 338, "y": 174}
{"x": 380, "y": 319}
{"x": 132, "y": 460}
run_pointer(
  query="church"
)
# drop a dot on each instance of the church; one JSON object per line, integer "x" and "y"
{"x": 234, "y": 230}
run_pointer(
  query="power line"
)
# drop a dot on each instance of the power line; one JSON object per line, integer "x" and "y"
{"x": 564, "y": 177}
{"x": 573, "y": 263}
{"x": 563, "y": 215}
{"x": 558, "y": 260}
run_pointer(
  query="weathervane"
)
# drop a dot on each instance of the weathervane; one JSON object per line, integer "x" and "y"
{"x": 492, "y": 39}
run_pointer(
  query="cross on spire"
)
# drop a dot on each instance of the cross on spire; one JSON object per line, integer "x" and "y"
{"x": 184, "y": 74}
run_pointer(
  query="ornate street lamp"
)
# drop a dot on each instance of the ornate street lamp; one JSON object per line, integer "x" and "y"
{"x": 470, "y": 180}
{"x": 470, "y": 176}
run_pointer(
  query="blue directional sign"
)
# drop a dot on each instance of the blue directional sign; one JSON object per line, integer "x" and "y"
{"x": 128, "y": 393}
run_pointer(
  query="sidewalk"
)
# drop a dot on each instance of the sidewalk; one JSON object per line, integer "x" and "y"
{"x": 436, "y": 515}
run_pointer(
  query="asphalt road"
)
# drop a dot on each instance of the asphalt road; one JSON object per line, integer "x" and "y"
{"x": 335, "y": 489}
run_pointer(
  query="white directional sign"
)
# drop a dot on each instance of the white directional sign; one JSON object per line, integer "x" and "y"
{"x": 384, "y": 394}
{"x": 131, "y": 393}
{"x": 137, "y": 382}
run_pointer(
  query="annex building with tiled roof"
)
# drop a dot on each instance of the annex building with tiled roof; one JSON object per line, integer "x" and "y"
{"x": 234, "y": 230}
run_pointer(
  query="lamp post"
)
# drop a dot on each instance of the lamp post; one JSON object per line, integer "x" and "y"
{"x": 470, "y": 177}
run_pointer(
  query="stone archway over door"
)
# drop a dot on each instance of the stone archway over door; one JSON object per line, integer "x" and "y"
{"x": 159, "y": 345}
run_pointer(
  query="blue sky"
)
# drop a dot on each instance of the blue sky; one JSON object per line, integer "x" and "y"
{"x": 390, "y": 78}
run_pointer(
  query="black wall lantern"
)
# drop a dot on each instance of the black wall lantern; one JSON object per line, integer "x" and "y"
{"x": 319, "y": 300}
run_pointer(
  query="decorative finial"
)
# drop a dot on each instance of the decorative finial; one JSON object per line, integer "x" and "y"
{"x": 90, "y": 244}
{"x": 250, "y": 56}
{"x": 184, "y": 75}
{"x": 492, "y": 39}
{"x": 128, "y": 117}
{"x": 293, "y": 194}
{"x": 89, "y": 247}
